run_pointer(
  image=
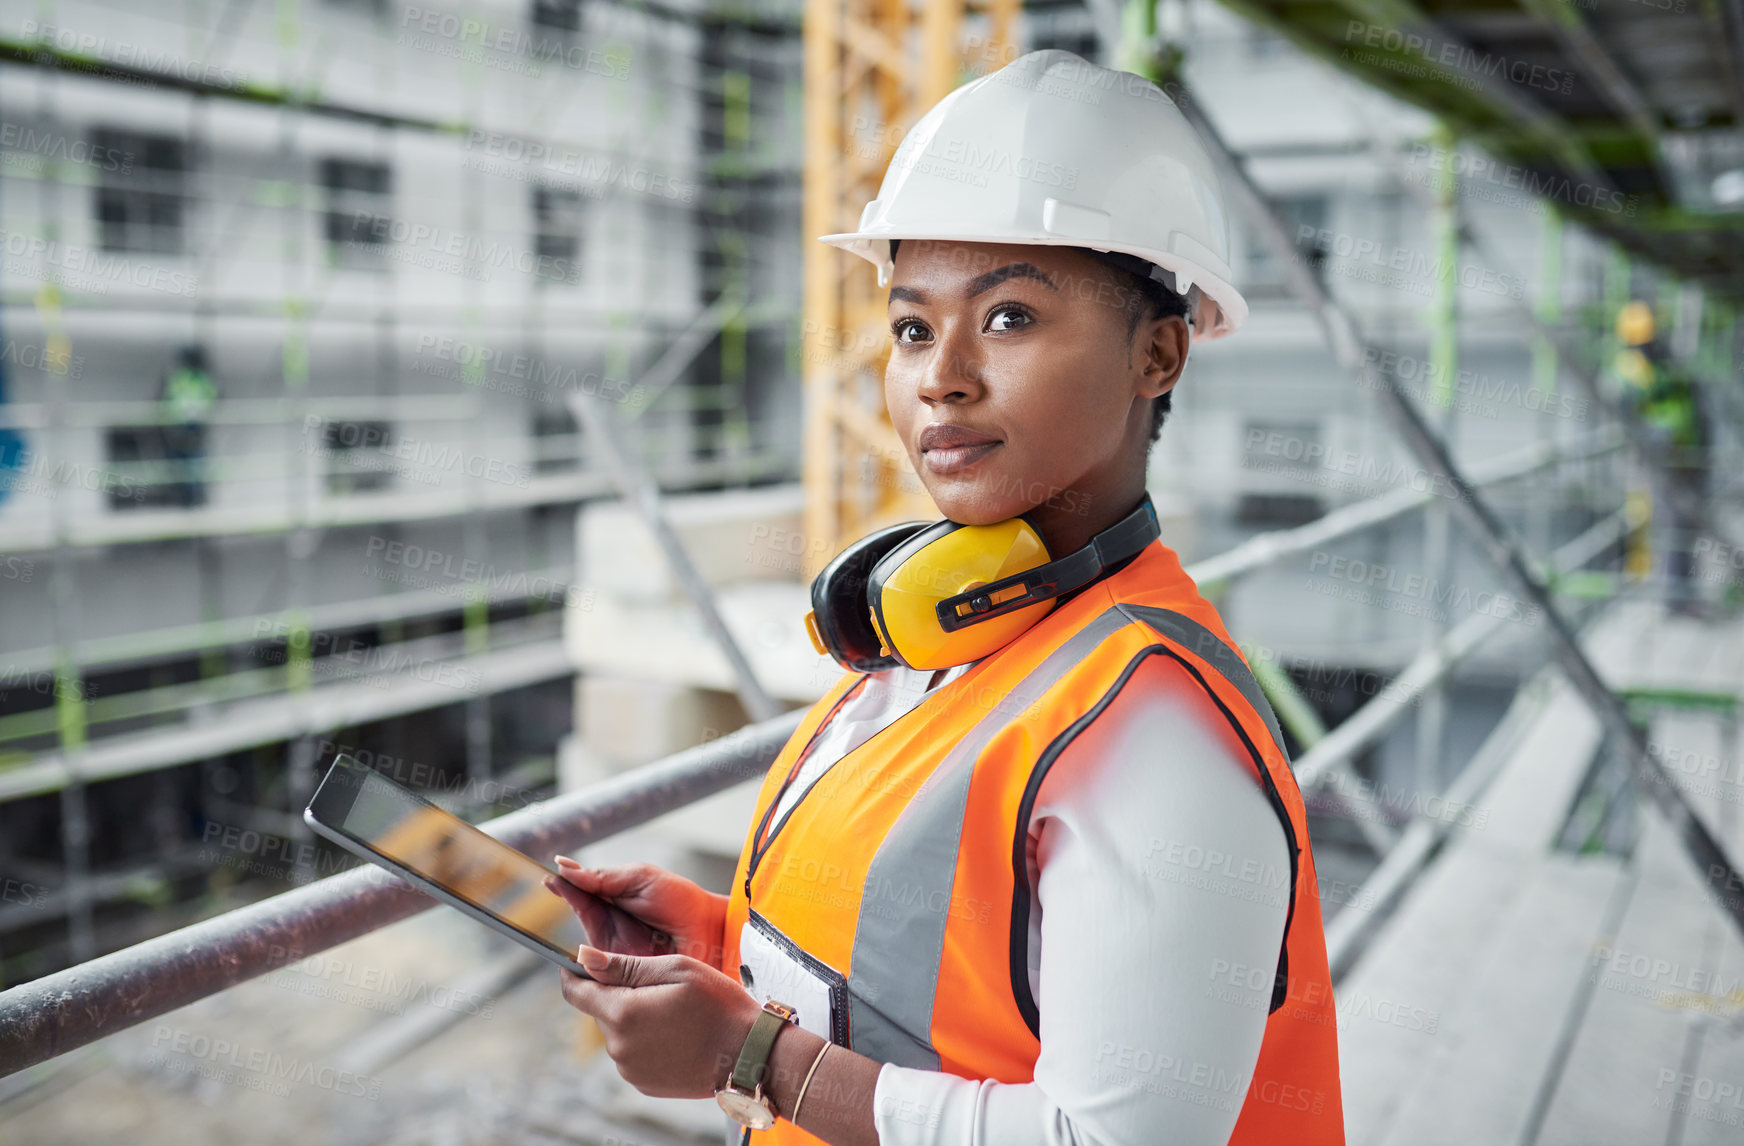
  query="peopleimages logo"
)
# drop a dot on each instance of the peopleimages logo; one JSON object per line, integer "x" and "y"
{"x": 438, "y": 457}
{"x": 93, "y": 50}
{"x": 31, "y": 356}
{"x": 53, "y": 145}
{"x": 953, "y": 158}
{"x": 1386, "y": 583}
{"x": 1490, "y": 175}
{"x": 255, "y": 1068}
{"x": 1460, "y": 58}
{"x": 591, "y": 173}
{"x": 544, "y": 376}
{"x": 101, "y": 267}
{"x": 512, "y": 38}
{"x": 1411, "y": 263}
{"x": 495, "y": 253}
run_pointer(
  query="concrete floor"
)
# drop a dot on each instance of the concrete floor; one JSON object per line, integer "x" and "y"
{"x": 1534, "y": 996}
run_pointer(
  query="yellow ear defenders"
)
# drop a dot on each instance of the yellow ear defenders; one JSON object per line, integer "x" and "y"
{"x": 939, "y": 594}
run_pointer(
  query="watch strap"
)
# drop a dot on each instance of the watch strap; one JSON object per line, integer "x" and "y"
{"x": 754, "y": 1056}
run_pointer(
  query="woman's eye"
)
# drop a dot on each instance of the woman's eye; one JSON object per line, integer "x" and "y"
{"x": 1021, "y": 316}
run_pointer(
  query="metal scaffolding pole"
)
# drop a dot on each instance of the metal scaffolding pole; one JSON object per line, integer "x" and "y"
{"x": 605, "y": 432}
{"x": 1438, "y": 554}
{"x": 69, "y": 680}
{"x": 1715, "y": 869}
{"x": 476, "y": 613}
{"x": 303, "y": 536}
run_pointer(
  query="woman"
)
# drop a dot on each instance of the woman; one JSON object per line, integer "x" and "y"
{"x": 1060, "y": 890}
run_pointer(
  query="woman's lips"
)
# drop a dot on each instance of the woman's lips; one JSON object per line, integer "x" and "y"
{"x": 949, "y": 460}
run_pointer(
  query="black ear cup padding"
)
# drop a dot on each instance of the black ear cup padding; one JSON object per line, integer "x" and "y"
{"x": 838, "y": 598}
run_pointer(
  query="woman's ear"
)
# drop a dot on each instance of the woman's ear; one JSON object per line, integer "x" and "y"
{"x": 1166, "y": 354}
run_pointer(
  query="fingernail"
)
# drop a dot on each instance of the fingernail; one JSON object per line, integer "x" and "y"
{"x": 591, "y": 957}
{"x": 567, "y": 860}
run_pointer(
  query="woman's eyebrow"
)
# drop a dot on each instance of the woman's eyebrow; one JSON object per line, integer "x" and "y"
{"x": 980, "y": 284}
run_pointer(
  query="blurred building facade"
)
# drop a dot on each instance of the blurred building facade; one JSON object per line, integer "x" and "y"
{"x": 399, "y": 240}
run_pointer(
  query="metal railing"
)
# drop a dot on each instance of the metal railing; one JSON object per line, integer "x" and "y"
{"x": 68, "y": 1009}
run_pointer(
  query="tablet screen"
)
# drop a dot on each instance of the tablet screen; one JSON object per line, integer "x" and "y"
{"x": 449, "y": 852}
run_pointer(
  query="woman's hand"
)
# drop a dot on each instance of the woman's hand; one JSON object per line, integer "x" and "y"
{"x": 609, "y": 927}
{"x": 673, "y": 1025}
{"x": 695, "y": 919}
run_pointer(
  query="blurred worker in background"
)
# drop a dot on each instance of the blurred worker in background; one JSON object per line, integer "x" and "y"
{"x": 1669, "y": 405}
{"x": 187, "y": 397}
{"x": 1035, "y": 870}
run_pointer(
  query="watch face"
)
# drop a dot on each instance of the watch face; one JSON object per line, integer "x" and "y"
{"x": 746, "y": 1109}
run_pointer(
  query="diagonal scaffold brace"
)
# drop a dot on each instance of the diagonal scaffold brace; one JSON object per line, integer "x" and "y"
{"x": 1715, "y": 869}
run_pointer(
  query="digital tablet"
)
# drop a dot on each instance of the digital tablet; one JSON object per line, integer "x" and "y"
{"x": 387, "y": 824}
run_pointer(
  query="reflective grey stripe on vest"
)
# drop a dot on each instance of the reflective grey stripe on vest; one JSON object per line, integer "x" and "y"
{"x": 1212, "y": 649}
{"x": 899, "y": 937}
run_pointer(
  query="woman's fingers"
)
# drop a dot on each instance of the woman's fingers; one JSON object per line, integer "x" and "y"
{"x": 618, "y": 882}
{"x": 582, "y": 877}
{"x": 616, "y": 969}
{"x": 576, "y": 885}
{"x": 568, "y": 892}
{"x": 595, "y": 915}
{"x": 666, "y": 907}
{"x": 589, "y": 997}
{"x": 608, "y": 927}
{"x": 614, "y": 976}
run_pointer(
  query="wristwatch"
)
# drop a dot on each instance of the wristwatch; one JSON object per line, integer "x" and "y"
{"x": 742, "y": 1097}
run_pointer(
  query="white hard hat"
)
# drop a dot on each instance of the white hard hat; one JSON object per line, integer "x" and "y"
{"x": 1055, "y": 150}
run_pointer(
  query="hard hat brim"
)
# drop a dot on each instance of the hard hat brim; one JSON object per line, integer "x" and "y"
{"x": 1228, "y": 312}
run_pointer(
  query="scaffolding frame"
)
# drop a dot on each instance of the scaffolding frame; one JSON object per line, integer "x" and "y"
{"x": 1715, "y": 868}
{"x": 669, "y": 414}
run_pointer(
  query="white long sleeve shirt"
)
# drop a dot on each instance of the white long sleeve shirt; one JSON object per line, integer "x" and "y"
{"x": 1161, "y": 881}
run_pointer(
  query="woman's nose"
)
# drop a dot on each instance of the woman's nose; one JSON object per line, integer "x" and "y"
{"x": 953, "y": 370}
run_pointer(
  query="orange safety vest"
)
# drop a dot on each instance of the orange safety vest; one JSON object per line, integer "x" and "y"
{"x": 900, "y": 877}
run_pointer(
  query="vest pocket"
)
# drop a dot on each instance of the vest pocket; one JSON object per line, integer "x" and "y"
{"x": 772, "y": 966}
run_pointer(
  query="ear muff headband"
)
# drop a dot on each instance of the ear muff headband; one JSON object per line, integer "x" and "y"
{"x": 995, "y": 599}
{"x": 935, "y": 595}
{"x": 983, "y": 616}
